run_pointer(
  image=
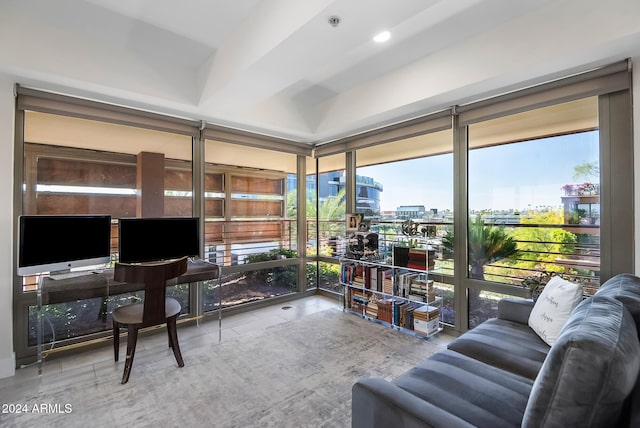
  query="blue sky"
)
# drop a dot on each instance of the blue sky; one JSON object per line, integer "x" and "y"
{"x": 511, "y": 176}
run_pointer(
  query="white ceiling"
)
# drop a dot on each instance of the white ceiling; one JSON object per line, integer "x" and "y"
{"x": 278, "y": 67}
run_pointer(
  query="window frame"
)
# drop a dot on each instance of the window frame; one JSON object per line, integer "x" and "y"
{"x": 612, "y": 85}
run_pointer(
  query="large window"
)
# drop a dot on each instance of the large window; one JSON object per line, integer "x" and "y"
{"x": 250, "y": 218}
{"x": 96, "y": 159}
{"x": 327, "y": 234}
{"x": 410, "y": 182}
{"x": 534, "y": 200}
{"x": 526, "y": 185}
{"x": 76, "y": 166}
{"x": 522, "y": 186}
{"x": 314, "y": 272}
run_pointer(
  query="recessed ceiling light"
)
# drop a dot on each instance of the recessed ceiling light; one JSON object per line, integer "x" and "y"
{"x": 382, "y": 37}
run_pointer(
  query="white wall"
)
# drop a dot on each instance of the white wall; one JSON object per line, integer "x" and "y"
{"x": 7, "y": 356}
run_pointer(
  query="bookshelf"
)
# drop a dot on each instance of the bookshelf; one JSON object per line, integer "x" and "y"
{"x": 399, "y": 293}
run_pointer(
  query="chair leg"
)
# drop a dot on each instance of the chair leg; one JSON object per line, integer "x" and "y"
{"x": 116, "y": 341}
{"x": 173, "y": 338}
{"x": 132, "y": 339}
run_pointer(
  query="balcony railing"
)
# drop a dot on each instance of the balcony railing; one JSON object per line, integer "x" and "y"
{"x": 575, "y": 254}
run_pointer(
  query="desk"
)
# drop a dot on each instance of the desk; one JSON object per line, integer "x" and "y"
{"x": 100, "y": 284}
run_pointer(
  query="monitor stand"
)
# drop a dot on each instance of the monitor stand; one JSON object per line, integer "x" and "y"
{"x": 66, "y": 273}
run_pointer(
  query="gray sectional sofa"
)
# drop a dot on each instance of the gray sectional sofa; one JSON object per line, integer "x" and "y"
{"x": 501, "y": 374}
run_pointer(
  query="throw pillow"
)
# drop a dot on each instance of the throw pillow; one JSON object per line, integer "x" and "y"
{"x": 552, "y": 309}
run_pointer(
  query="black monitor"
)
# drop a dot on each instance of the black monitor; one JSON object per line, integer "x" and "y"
{"x": 50, "y": 243}
{"x": 151, "y": 239}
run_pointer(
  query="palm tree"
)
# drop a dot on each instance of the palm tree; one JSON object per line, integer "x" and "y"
{"x": 331, "y": 213}
{"x": 333, "y": 208}
{"x": 487, "y": 244}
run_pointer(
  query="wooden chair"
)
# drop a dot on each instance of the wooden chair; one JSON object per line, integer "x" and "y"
{"x": 156, "y": 308}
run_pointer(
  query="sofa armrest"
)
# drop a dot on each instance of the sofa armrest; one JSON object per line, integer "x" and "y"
{"x": 377, "y": 403}
{"x": 517, "y": 310}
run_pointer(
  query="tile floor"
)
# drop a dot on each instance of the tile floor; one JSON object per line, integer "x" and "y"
{"x": 89, "y": 364}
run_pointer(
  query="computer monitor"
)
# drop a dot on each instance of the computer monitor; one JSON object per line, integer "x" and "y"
{"x": 50, "y": 243}
{"x": 163, "y": 238}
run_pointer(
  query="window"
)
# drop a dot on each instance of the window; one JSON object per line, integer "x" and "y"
{"x": 330, "y": 211}
{"x": 77, "y": 166}
{"x": 249, "y": 218}
{"x": 553, "y": 176}
{"x": 90, "y": 157}
{"x": 533, "y": 185}
{"x": 410, "y": 181}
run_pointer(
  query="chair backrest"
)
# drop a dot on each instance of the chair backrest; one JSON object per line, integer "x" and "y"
{"x": 154, "y": 276}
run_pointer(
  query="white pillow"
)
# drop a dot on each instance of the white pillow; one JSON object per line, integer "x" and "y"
{"x": 551, "y": 312}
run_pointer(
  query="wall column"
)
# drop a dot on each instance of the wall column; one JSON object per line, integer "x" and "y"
{"x": 150, "y": 185}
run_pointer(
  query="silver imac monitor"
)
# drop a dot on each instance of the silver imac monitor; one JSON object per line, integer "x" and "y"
{"x": 51, "y": 243}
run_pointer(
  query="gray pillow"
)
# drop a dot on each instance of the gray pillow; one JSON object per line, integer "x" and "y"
{"x": 589, "y": 371}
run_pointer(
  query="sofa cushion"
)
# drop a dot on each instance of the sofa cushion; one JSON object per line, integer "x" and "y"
{"x": 514, "y": 309}
{"x": 553, "y": 308}
{"x": 376, "y": 403}
{"x": 625, "y": 288}
{"x": 508, "y": 345}
{"x": 589, "y": 371}
{"x": 469, "y": 389}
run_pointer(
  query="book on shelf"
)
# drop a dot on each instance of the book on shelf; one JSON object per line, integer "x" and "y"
{"x": 427, "y": 312}
{"x": 385, "y": 309}
{"x": 421, "y": 258}
{"x": 422, "y": 298}
{"x": 358, "y": 295}
{"x": 397, "y": 310}
{"x": 372, "y": 307}
{"x": 347, "y": 272}
{"x": 371, "y": 278}
{"x": 384, "y": 281}
{"x": 359, "y": 270}
{"x": 358, "y": 276}
{"x": 407, "y": 314}
{"x": 422, "y": 289}
{"x": 402, "y": 297}
{"x": 426, "y": 319}
{"x": 414, "y": 258}
{"x": 358, "y": 300}
{"x": 404, "y": 281}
